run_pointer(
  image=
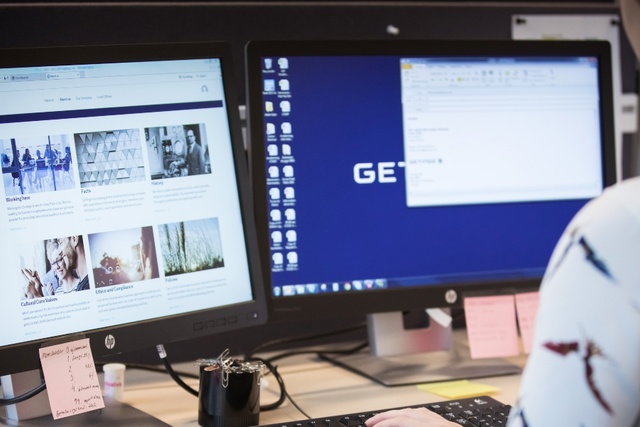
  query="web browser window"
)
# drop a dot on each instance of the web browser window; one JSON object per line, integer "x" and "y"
{"x": 120, "y": 196}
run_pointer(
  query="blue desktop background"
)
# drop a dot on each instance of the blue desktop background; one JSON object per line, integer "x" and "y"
{"x": 347, "y": 110}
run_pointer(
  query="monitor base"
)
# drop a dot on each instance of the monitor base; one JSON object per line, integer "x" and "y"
{"x": 400, "y": 356}
{"x": 421, "y": 368}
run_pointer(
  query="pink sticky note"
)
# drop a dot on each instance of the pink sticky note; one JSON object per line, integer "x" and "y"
{"x": 527, "y": 308}
{"x": 71, "y": 377}
{"x": 491, "y": 326}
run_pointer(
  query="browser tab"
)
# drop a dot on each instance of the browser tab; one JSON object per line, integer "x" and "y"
{"x": 24, "y": 77}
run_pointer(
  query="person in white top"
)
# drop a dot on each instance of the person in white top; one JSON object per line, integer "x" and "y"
{"x": 584, "y": 368}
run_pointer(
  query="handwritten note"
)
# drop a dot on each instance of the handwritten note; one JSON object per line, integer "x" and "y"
{"x": 491, "y": 326}
{"x": 72, "y": 380}
{"x": 527, "y": 307}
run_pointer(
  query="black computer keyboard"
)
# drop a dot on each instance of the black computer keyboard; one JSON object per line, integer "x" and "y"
{"x": 482, "y": 411}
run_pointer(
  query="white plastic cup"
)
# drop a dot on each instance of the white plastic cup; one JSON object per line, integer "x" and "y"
{"x": 113, "y": 385}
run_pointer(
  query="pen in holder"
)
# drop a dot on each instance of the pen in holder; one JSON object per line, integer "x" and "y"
{"x": 229, "y": 392}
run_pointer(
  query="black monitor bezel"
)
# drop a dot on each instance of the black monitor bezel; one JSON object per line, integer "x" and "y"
{"x": 303, "y": 307}
{"x": 139, "y": 335}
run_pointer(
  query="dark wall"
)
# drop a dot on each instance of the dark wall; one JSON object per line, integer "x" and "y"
{"x": 31, "y": 24}
{"x": 35, "y": 24}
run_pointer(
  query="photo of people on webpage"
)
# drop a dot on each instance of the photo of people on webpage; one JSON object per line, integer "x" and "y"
{"x": 123, "y": 256}
{"x": 176, "y": 151}
{"x": 190, "y": 246}
{"x": 36, "y": 164}
{"x": 53, "y": 267}
{"x": 109, "y": 157}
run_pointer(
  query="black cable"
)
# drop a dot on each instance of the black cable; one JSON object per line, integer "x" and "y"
{"x": 171, "y": 372}
{"x": 276, "y": 342}
{"x": 348, "y": 351}
{"x": 316, "y": 351}
{"x": 274, "y": 370}
{"x": 169, "y": 369}
{"x": 23, "y": 397}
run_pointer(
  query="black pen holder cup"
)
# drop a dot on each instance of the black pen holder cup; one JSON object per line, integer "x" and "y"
{"x": 229, "y": 395}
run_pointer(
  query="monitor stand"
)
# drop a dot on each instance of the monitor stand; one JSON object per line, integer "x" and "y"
{"x": 30, "y": 412}
{"x": 400, "y": 356}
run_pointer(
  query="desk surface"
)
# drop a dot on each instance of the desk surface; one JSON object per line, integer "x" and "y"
{"x": 318, "y": 387}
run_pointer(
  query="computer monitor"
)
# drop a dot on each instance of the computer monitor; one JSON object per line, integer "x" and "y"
{"x": 393, "y": 176}
{"x": 126, "y": 215}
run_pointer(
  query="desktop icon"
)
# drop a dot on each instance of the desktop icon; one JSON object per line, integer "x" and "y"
{"x": 277, "y": 291}
{"x": 285, "y": 106}
{"x": 268, "y": 63}
{"x": 285, "y": 128}
{"x": 274, "y": 172}
{"x": 277, "y": 258}
{"x": 268, "y": 107}
{"x": 269, "y": 85}
{"x": 284, "y": 85}
{"x": 288, "y": 171}
{"x": 292, "y": 236}
{"x": 289, "y": 193}
{"x": 272, "y": 150}
{"x": 271, "y": 129}
{"x": 276, "y": 236}
{"x": 274, "y": 193}
{"x": 286, "y": 150}
{"x": 283, "y": 63}
{"x": 290, "y": 214}
{"x": 276, "y": 215}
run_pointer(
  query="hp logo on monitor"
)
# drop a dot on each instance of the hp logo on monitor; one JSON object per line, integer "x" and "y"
{"x": 110, "y": 342}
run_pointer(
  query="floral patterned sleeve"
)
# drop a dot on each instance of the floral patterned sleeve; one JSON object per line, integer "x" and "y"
{"x": 584, "y": 369}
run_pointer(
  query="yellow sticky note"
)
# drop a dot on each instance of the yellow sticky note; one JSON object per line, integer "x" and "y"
{"x": 458, "y": 389}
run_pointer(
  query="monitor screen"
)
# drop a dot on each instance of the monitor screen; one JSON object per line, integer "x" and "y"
{"x": 126, "y": 215}
{"x": 405, "y": 175}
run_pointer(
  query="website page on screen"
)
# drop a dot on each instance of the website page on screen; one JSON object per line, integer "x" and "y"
{"x": 120, "y": 192}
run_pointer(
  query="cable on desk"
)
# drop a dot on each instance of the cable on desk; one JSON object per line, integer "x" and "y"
{"x": 283, "y": 390}
{"x": 355, "y": 349}
{"x": 23, "y": 397}
{"x": 262, "y": 347}
{"x": 152, "y": 368}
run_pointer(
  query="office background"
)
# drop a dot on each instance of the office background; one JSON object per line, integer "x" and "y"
{"x": 39, "y": 23}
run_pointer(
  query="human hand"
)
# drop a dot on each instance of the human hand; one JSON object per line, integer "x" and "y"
{"x": 49, "y": 288}
{"x": 408, "y": 417}
{"x": 33, "y": 287}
